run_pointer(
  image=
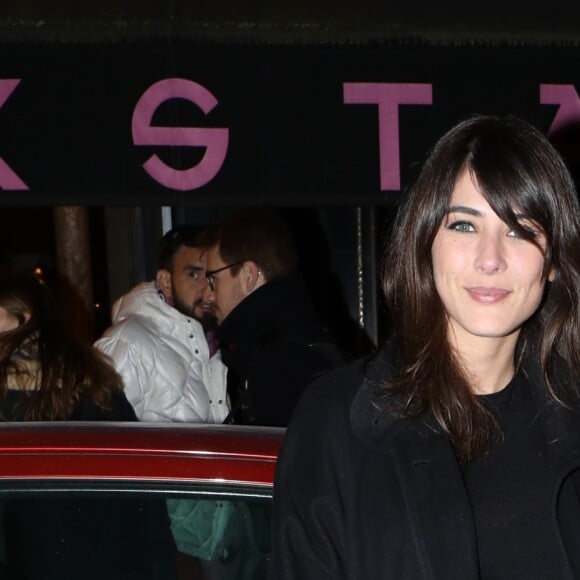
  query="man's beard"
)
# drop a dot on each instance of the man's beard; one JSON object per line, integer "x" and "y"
{"x": 207, "y": 319}
{"x": 184, "y": 308}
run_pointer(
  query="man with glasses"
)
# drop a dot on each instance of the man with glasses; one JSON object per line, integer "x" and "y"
{"x": 272, "y": 340}
{"x": 157, "y": 341}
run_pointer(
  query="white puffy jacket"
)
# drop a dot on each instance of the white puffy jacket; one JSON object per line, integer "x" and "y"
{"x": 163, "y": 358}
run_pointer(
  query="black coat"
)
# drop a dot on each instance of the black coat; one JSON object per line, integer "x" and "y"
{"x": 274, "y": 345}
{"x": 360, "y": 495}
{"x": 117, "y": 409}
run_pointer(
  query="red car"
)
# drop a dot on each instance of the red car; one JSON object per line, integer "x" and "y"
{"x": 135, "y": 501}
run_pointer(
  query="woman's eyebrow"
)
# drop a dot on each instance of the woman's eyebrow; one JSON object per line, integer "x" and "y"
{"x": 464, "y": 209}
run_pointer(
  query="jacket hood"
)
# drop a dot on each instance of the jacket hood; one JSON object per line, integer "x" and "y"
{"x": 143, "y": 300}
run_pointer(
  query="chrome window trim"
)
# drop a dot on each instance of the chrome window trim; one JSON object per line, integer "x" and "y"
{"x": 49, "y": 486}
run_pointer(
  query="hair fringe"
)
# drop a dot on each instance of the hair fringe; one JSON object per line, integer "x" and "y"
{"x": 514, "y": 164}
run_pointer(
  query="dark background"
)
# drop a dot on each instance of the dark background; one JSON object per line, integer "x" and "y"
{"x": 66, "y": 129}
{"x": 277, "y": 70}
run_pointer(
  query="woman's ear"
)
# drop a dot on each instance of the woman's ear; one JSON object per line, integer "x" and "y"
{"x": 551, "y": 275}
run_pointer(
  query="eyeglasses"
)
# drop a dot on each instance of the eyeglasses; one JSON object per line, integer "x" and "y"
{"x": 210, "y": 274}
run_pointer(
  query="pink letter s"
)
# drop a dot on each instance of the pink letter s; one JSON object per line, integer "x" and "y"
{"x": 214, "y": 140}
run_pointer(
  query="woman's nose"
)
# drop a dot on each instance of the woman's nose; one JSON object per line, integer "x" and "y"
{"x": 490, "y": 256}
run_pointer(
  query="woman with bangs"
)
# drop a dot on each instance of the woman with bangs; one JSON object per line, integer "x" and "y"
{"x": 454, "y": 453}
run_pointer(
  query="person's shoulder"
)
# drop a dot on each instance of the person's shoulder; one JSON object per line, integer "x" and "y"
{"x": 133, "y": 331}
{"x": 348, "y": 395}
{"x": 337, "y": 387}
{"x": 300, "y": 357}
{"x": 331, "y": 395}
{"x": 117, "y": 408}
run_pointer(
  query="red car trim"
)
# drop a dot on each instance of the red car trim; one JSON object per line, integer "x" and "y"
{"x": 139, "y": 451}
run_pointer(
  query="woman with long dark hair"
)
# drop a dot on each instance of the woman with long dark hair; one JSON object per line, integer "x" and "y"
{"x": 453, "y": 453}
{"x": 46, "y": 373}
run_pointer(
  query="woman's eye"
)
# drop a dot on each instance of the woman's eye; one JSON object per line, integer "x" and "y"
{"x": 461, "y": 226}
{"x": 528, "y": 228}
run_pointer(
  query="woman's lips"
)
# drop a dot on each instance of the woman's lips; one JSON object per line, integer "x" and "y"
{"x": 487, "y": 295}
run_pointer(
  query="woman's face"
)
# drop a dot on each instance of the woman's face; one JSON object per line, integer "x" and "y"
{"x": 489, "y": 280}
{"x": 7, "y": 321}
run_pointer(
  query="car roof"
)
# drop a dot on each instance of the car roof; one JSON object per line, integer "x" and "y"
{"x": 164, "y": 452}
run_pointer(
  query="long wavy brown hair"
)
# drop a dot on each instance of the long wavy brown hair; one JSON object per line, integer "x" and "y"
{"x": 43, "y": 359}
{"x": 516, "y": 168}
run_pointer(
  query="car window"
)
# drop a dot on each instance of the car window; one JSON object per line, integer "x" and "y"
{"x": 75, "y": 533}
{"x": 229, "y": 538}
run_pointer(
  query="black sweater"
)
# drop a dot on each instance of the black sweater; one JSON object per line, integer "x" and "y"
{"x": 511, "y": 489}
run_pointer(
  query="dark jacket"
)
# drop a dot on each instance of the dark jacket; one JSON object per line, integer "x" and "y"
{"x": 362, "y": 495}
{"x": 118, "y": 408}
{"x": 273, "y": 345}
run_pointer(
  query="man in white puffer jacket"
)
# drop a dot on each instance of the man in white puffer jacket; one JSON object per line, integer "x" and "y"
{"x": 158, "y": 346}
